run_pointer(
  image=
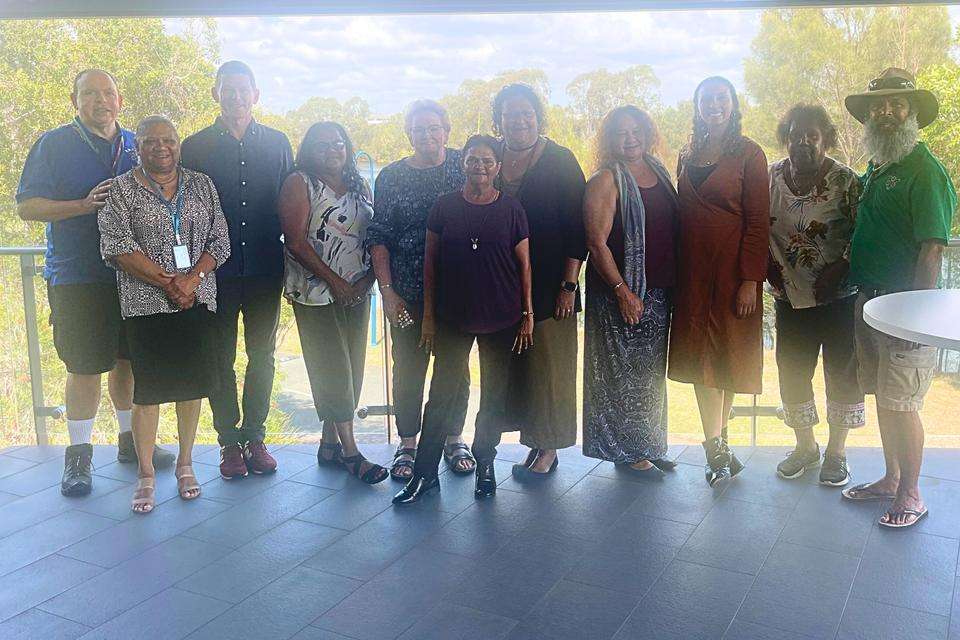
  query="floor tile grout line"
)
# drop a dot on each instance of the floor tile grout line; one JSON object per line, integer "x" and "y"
{"x": 756, "y": 576}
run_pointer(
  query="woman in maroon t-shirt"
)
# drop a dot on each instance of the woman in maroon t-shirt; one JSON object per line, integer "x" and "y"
{"x": 477, "y": 288}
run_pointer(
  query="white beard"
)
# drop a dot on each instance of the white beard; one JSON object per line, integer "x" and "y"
{"x": 892, "y": 147}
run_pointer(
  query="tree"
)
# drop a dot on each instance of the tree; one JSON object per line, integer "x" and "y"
{"x": 943, "y": 135}
{"x": 157, "y": 73}
{"x": 470, "y": 106}
{"x": 822, "y": 55}
{"x": 595, "y": 93}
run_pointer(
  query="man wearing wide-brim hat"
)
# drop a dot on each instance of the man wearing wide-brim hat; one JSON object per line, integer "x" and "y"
{"x": 903, "y": 224}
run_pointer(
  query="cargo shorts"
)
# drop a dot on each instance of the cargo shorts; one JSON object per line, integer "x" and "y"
{"x": 897, "y": 372}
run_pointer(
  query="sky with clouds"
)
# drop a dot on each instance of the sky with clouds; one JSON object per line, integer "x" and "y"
{"x": 391, "y": 60}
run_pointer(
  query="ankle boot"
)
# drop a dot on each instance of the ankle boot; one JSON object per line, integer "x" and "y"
{"x": 486, "y": 480}
{"x": 721, "y": 463}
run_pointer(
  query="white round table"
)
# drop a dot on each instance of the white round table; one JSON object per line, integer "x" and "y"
{"x": 930, "y": 316}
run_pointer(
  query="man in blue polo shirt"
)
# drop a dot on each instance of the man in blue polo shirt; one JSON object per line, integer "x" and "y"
{"x": 247, "y": 163}
{"x": 64, "y": 183}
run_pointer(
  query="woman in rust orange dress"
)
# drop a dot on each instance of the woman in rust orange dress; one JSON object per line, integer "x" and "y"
{"x": 715, "y": 339}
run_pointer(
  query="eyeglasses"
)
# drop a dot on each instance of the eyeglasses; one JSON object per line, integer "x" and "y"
{"x": 153, "y": 143}
{"x": 473, "y": 163}
{"x": 433, "y": 130}
{"x": 323, "y": 147}
{"x": 878, "y": 84}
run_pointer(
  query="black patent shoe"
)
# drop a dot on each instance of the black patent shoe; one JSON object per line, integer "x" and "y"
{"x": 486, "y": 480}
{"x": 77, "y": 480}
{"x": 417, "y": 487}
{"x": 722, "y": 464}
{"x": 127, "y": 452}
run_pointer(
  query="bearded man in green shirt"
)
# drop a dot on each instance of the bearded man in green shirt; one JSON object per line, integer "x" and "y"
{"x": 903, "y": 224}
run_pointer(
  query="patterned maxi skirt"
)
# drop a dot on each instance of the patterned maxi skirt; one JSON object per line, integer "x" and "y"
{"x": 624, "y": 380}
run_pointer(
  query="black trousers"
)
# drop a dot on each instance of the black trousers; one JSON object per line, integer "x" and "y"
{"x": 801, "y": 334}
{"x": 450, "y": 391}
{"x": 257, "y": 299}
{"x": 410, "y": 363}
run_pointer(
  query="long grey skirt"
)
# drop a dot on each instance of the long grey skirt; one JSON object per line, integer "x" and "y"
{"x": 543, "y": 386}
{"x": 624, "y": 380}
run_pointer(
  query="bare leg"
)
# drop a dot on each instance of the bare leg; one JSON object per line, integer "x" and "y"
{"x": 837, "y": 445}
{"x": 329, "y": 434}
{"x": 120, "y": 386}
{"x": 82, "y": 396}
{"x": 344, "y": 431}
{"x": 891, "y": 452}
{"x": 728, "y": 397}
{"x": 711, "y": 403}
{"x": 188, "y": 416}
{"x": 145, "y": 421}
{"x": 806, "y": 440}
{"x": 908, "y": 429}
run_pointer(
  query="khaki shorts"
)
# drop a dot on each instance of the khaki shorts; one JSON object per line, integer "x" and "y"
{"x": 897, "y": 372}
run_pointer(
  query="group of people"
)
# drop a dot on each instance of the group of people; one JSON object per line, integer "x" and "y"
{"x": 157, "y": 247}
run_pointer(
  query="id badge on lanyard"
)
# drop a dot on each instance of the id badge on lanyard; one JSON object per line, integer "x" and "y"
{"x": 174, "y": 206}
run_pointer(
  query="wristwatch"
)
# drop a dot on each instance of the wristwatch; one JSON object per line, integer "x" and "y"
{"x": 569, "y": 287}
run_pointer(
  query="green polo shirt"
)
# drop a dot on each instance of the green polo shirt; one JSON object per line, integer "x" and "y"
{"x": 902, "y": 205}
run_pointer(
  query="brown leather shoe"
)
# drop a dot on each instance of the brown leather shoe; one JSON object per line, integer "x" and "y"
{"x": 258, "y": 459}
{"x": 231, "y": 462}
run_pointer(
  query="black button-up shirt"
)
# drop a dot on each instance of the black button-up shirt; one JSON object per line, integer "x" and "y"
{"x": 248, "y": 174}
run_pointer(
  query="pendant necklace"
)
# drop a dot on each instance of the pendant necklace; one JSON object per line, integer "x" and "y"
{"x": 475, "y": 239}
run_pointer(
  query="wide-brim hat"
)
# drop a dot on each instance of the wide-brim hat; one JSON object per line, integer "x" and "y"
{"x": 892, "y": 82}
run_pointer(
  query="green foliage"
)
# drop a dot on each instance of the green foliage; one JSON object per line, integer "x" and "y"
{"x": 595, "y": 93}
{"x": 822, "y": 55}
{"x": 943, "y": 135}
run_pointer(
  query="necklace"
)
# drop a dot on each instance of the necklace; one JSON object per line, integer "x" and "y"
{"x": 526, "y": 156}
{"x": 475, "y": 237}
{"x": 162, "y": 183}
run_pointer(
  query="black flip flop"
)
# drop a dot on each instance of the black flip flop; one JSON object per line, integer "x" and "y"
{"x": 454, "y": 453}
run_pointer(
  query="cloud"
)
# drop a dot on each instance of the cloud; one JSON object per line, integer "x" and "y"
{"x": 390, "y": 60}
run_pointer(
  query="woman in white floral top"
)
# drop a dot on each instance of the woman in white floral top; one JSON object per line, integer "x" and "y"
{"x": 813, "y": 200}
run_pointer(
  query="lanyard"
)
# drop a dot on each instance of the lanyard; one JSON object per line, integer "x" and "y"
{"x": 114, "y": 167}
{"x": 175, "y": 210}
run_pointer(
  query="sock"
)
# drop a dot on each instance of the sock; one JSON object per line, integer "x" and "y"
{"x": 80, "y": 431}
{"x": 124, "y": 419}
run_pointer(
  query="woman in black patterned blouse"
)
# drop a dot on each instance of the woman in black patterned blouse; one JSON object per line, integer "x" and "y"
{"x": 403, "y": 195}
{"x": 163, "y": 230}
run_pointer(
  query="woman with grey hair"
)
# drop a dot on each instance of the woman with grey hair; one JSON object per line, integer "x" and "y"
{"x": 162, "y": 229}
{"x": 404, "y": 193}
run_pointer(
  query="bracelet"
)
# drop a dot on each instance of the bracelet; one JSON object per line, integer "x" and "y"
{"x": 618, "y": 285}
{"x": 524, "y": 314}
{"x": 386, "y": 286}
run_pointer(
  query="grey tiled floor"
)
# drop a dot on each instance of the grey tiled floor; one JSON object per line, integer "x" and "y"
{"x": 312, "y": 554}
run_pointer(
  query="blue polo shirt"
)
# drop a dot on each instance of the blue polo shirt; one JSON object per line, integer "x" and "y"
{"x": 248, "y": 174}
{"x": 63, "y": 166}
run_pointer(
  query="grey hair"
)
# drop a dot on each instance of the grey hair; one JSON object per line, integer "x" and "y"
{"x": 425, "y": 106}
{"x": 149, "y": 121}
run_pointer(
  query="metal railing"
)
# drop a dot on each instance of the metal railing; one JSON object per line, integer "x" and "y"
{"x": 41, "y": 411}
{"x": 28, "y": 271}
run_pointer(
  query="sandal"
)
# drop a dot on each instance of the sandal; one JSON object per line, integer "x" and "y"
{"x": 362, "y": 468}
{"x": 862, "y": 493}
{"x": 329, "y": 454}
{"x": 187, "y": 482}
{"x": 886, "y": 520}
{"x": 664, "y": 464}
{"x": 531, "y": 457}
{"x": 143, "y": 497}
{"x": 403, "y": 459}
{"x": 454, "y": 453}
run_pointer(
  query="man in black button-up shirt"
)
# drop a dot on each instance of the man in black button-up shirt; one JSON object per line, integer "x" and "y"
{"x": 247, "y": 162}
